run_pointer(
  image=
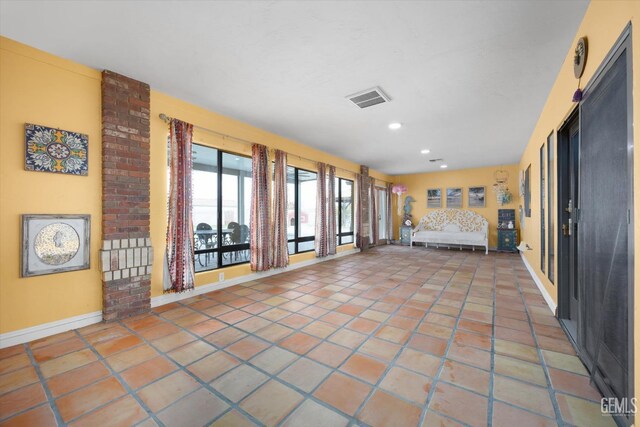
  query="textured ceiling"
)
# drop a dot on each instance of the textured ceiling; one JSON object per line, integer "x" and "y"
{"x": 468, "y": 79}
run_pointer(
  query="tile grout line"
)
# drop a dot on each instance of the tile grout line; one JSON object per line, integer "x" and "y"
{"x": 492, "y": 372}
{"x": 45, "y": 386}
{"x": 376, "y": 386}
{"x": 247, "y": 362}
{"x": 118, "y": 377}
{"x": 232, "y": 405}
{"x": 321, "y": 280}
{"x": 198, "y": 337}
{"x": 443, "y": 358}
{"x": 351, "y": 418}
{"x": 309, "y": 395}
{"x": 543, "y": 362}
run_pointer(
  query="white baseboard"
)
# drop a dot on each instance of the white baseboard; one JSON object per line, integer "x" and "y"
{"x": 543, "y": 290}
{"x": 46, "y": 329}
{"x": 203, "y": 289}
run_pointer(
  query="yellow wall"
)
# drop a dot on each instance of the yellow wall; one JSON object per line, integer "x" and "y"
{"x": 602, "y": 25}
{"x": 161, "y": 103}
{"x": 418, "y": 184}
{"x": 40, "y": 88}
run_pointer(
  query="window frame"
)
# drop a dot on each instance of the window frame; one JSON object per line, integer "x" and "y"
{"x": 296, "y": 212}
{"x": 543, "y": 210}
{"x": 220, "y": 250}
{"x": 339, "y": 233}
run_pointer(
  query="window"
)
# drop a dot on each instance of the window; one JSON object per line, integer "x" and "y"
{"x": 344, "y": 210}
{"x": 543, "y": 233}
{"x": 301, "y": 209}
{"x": 527, "y": 192}
{"x": 221, "y": 207}
{"x": 550, "y": 208}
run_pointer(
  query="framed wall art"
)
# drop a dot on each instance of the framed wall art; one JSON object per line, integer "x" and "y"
{"x": 434, "y": 198}
{"x": 55, "y": 150}
{"x": 477, "y": 197}
{"x": 55, "y": 243}
{"x": 454, "y": 197}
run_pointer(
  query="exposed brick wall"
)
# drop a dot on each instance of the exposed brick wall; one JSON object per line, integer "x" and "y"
{"x": 125, "y": 195}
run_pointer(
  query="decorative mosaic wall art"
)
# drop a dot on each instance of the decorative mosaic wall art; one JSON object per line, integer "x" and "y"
{"x": 54, "y": 243}
{"x": 56, "y": 150}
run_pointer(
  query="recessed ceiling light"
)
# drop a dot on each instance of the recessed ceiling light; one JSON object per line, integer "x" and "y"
{"x": 443, "y": 166}
{"x": 425, "y": 151}
{"x": 395, "y": 125}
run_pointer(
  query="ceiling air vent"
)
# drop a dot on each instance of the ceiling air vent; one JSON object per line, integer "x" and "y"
{"x": 436, "y": 160}
{"x": 369, "y": 97}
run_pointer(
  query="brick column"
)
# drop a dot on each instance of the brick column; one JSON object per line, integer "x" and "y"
{"x": 126, "y": 253}
{"x": 364, "y": 209}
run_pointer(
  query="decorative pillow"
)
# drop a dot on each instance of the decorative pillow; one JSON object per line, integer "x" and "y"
{"x": 451, "y": 228}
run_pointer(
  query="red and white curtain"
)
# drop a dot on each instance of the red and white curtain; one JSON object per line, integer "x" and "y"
{"x": 179, "y": 252}
{"x": 321, "y": 212}
{"x": 389, "y": 214}
{"x": 260, "y": 209}
{"x": 280, "y": 250}
{"x": 373, "y": 214}
{"x": 331, "y": 211}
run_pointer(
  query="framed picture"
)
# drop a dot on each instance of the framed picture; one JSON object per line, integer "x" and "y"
{"x": 55, "y": 150}
{"x": 55, "y": 243}
{"x": 476, "y": 197}
{"x": 454, "y": 197}
{"x": 434, "y": 198}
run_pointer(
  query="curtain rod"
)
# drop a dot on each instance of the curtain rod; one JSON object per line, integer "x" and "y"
{"x": 167, "y": 119}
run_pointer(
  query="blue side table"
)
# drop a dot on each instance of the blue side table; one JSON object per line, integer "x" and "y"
{"x": 507, "y": 240}
{"x": 405, "y": 235}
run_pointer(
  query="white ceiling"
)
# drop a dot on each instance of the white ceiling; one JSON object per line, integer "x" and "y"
{"x": 468, "y": 79}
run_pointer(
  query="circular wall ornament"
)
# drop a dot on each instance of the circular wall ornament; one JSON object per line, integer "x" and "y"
{"x": 56, "y": 244}
{"x": 580, "y": 57}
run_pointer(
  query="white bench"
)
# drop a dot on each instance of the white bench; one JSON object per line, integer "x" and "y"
{"x": 452, "y": 227}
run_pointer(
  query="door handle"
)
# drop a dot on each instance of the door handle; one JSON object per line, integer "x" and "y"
{"x": 570, "y": 226}
{"x": 565, "y": 230}
{"x": 569, "y": 207}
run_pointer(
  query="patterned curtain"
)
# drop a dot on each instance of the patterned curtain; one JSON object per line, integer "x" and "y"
{"x": 357, "y": 222}
{"x": 389, "y": 213}
{"x": 179, "y": 254}
{"x": 374, "y": 212}
{"x": 260, "y": 208}
{"x": 331, "y": 212}
{"x": 280, "y": 248}
{"x": 321, "y": 212}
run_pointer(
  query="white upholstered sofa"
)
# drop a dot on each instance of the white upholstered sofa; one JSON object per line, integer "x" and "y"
{"x": 452, "y": 227}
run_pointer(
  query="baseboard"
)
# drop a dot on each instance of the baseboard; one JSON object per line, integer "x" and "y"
{"x": 203, "y": 289}
{"x": 545, "y": 294}
{"x": 47, "y": 329}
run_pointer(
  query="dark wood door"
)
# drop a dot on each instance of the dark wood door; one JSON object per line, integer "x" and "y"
{"x": 570, "y": 228}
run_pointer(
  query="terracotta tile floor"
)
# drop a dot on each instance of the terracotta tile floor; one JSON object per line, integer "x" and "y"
{"x": 394, "y": 337}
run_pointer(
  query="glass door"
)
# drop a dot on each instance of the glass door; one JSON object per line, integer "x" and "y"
{"x": 381, "y": 200}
